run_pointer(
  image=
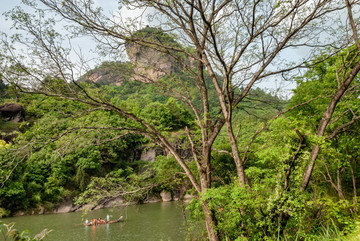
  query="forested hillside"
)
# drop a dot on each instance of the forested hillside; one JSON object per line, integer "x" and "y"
{"x": 183, "y": 114}
{"x": 69, "y": 145}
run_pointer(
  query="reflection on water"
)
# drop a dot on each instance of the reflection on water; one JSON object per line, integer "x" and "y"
{"x": 157, "y": 221}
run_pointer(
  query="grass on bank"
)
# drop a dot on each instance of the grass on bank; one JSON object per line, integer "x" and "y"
{"x": 333, "y": 233}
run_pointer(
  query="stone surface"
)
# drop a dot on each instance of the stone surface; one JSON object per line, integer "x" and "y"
{"x": 149, "y": 64}
{"x": 12, "y": 112}
{"x": 108, "y": 73}
{"x": 148, "y": 155}
{"x": 65, "y": 207}
{"x": 165, "y": 196}
{"x": 41, "y": 210}
{"x": 19, "y": 213}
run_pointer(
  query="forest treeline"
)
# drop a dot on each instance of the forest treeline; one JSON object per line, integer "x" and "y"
{"x": 68, "y": 149}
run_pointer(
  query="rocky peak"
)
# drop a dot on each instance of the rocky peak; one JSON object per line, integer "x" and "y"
{"x": 149, "y": 63}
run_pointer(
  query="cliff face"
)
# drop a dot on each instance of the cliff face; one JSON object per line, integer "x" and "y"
{"x": 149, "y": 64}
{"x": 11, "y": 114}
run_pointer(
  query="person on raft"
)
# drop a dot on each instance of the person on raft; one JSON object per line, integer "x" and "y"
{"x": 100, "y": 221}
{"x": 96, "y": 221}
{"x": 93, "y": 221}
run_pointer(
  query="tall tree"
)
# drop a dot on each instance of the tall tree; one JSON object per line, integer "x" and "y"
{"x": 347, "y": 67}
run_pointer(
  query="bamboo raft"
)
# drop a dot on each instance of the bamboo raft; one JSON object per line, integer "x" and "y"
{"x": 112, "y": 221}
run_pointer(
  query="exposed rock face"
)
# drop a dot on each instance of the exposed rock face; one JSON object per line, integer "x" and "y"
{"x": 65, "y": 207}
{"x": 165, "y": 196}
{"x": 176, "y": 195}
{"x": 12, "y": 112}
{"x": 150, "y": 154}
{"x": 149, "y": 65}
{"x": 102, "y": 78}
{"x": 188, "y": 197}
{"x": 119, "y": 201}
{"x": 149, "y": 62}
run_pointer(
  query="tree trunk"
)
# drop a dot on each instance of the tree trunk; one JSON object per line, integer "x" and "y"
{"x": 236, "y": 155}
{"x": 354, "y": 186}
{"x": 210, "y": 219}
{"x": 210, "y": 222}
{"x": 339, "y": 183}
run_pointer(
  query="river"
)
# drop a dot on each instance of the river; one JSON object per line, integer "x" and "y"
{"x": 145, "y": 222}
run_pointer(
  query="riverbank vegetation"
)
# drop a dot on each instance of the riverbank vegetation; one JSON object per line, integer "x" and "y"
{"x": 8, "y": 232}
{"x": 260, "y": 166}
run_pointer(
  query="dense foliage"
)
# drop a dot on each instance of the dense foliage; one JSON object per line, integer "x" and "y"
{"x": 74, "y": 147}
{"x": 245, "y": 155}
{"x": 76, "y": 152}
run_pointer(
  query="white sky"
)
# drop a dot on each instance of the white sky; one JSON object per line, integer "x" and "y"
{"x": 85, "y": 44}
{"x": 6, "y": 5}
{"x": 111, "y": 6}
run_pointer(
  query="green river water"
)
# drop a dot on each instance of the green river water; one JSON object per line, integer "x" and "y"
{"x": 146, "y": 222}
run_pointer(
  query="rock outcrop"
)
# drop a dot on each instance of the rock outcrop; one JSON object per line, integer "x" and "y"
{"x": 66, "y": 206}
{"x": 12, "y": 112}
{"x": 166, "y": 196}
{"x": 149, "y": 63}
{"x": 150, "y": 153}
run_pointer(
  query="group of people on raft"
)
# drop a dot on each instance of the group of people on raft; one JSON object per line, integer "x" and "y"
{"x": 96, "y": 221}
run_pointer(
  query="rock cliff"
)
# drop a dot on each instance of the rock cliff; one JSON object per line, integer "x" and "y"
{"x": 11, "y": 114}
{"x": 151, "y": 64}
{"x": 147, "y": 63}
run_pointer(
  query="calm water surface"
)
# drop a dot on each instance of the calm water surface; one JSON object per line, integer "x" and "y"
{"x": 146, "y": 222}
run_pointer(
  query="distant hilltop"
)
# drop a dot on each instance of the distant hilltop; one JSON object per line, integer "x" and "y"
{"x": 147, "y": 64}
